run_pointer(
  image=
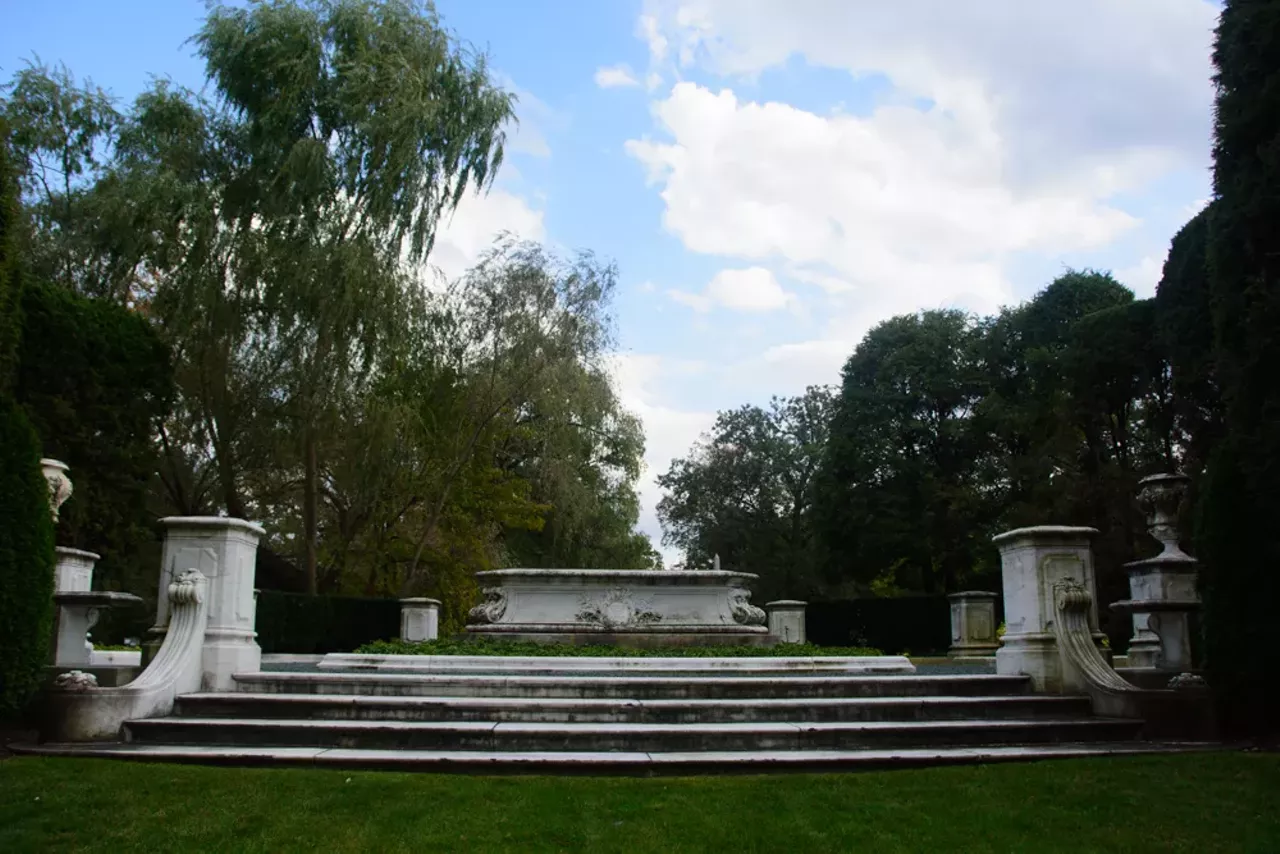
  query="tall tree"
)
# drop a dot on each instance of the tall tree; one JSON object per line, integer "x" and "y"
{"x": 745, "y": 492}
{"x": 1237, "y": 536}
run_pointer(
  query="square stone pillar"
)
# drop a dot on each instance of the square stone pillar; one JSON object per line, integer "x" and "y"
{"x": 786, "y": 620}
{"x": 1032, "y": 561}
{"x": 419, "y": 620}
{"x": 225, "y": 551}
{"x": 973, "y": 624}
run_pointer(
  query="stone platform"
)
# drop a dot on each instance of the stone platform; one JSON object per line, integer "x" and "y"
{"x": 654, "y": 716}
{"x": 619, "y": 607}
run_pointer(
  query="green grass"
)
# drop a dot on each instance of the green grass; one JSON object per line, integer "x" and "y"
{"x": 1195, "y": 802}
{"x": 490, "y": 646}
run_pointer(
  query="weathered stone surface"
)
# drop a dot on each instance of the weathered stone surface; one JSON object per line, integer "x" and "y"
{"x": 973, "y": 624}
{"x": 621, "y": 606}
{"x": 787, "y": 620}
{"x": 419, "y": 620}
{"x": 1033, "y": 561}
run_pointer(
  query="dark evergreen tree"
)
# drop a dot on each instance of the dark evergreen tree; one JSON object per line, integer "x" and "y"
{"x": 1238, "y": 538}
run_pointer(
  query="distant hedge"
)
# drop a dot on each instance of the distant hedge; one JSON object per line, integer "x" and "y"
{"x": 302, "y": 624}
{"x": 916, "y": 624}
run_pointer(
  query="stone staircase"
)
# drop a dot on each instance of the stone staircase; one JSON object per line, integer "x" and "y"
{"x": 522, "y": 715}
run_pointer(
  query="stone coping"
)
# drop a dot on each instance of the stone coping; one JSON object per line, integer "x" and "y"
{"x": 594, "y": 629}
{"x": 95, "y": 598}
{"x": 570, "y": 663}
{"x": 212, "y": 522}
{"x": 1147, "y": 606}
{"x": 1062, "y": 532}
{"x": 418, "y": 600}
{"x": 786, "y": 603}
{"x": 70, "y": 552}
{"x": 669, "y": 575}
{"x": 1179, "y": 561}
{"x": 974, "y": 594}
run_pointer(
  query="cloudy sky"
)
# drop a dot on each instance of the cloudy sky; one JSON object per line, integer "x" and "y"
{"x": 773, "y": 177}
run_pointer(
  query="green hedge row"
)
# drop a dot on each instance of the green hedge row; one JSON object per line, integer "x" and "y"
{"x": 302, "y": 624}
{"x": 920, "y": 625}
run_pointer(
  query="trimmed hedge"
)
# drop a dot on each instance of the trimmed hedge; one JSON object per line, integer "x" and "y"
{"x": 302, "y": 624}
{"x": 26, "y": 562}
{"x": 920, "y": 625}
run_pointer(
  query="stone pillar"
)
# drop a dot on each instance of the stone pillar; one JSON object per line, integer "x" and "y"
{"x": 1144, "y": 646}
{"x": 1032, "y": 561}
{"x": 224, "y": 550}
{"x": 419, "y": 620}
{"x": 786, "y": 620}
{"x": 973, "y": 624}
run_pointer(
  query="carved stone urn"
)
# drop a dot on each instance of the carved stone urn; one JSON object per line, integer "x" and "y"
{"x": 1160, "y": 497}
{"x": 55, "y": 474}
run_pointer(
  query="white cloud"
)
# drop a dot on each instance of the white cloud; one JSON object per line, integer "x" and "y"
{"x": 669, "y": 431}
{"x": 752, "y": 289}
{"x": 1142, "y": 277}
{"x": 478, "y": 220}
{"x": 615, "y": 76}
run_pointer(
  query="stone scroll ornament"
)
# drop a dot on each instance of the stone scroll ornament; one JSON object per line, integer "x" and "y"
{"x": 618, "y": 607}
{"x": 743, "y": 611}
{"x": 492, "y": 608}
{"x": 1072, "y": 602}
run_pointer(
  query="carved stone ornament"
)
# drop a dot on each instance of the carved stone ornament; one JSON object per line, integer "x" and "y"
{"x": 75, "y": 680}
{"x": 1185, "y": 681}
{"x": 618, "y": 607}
{"x": 55, "y": 474}
{"x": 184, "y": 590}
{"x": 1160, "y": 497}
{"x": 743, "y": 611}
{"x": 492, "y": 608}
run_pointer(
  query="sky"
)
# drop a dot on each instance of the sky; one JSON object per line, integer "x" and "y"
{"x": 775, "y": 177}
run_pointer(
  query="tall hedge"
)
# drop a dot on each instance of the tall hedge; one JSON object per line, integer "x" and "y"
{"x": 95, "y": 379}
{"x": 1237, "y": 535}
{"x": 26, "y": 561}
{"x": 10, "y": 281}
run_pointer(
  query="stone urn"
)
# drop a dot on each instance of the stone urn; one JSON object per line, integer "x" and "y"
{"x": 55, "y": 474}
{"x": 1160, "y": 497}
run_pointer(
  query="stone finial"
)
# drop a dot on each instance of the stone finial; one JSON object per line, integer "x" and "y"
{"x": 1160, "y": 497}
{"x": 60, "y": 489}
{"x": 715, "y": 562}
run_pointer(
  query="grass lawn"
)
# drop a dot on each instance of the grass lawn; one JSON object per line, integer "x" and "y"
{"x": 1193, "y": 802}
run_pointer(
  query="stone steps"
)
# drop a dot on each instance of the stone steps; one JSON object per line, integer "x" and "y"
{"x": 695, "y": 737}
{"x": 638, "y": 687}
{"x": 618, "y": 666}
{"x": 616, "y": 763}
{"x": 605, "y": 710}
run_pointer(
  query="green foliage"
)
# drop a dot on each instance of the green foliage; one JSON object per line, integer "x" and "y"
{"x": 95, "y": 380}
{"x": 26, "y": 562}
{"x": 490, "y": 646}
{"x": 1237, "y": 536}
{"x": 10, "y": 275}
{"x": 302, "y": 624}
{"x": 745, "y": 490}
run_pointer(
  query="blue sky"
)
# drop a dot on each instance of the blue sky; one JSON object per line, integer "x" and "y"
{"x": 773, "y": 177}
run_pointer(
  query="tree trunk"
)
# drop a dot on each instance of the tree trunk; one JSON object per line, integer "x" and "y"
{"x": 309, "y": 489}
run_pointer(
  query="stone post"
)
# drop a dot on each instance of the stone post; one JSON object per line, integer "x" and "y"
{"x": 973, "y": 624}
{"x": 419, "y": 620}
{"x": 786, "y": 620}
{"x": 1032, "y": 561}
{"x": 224, "y": 550}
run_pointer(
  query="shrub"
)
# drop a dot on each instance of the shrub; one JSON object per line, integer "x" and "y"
{"x": 26, "y": 561}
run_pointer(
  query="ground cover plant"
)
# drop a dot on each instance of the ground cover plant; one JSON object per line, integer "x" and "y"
{"x": 1197, "y": 802}
{"x": 488, "y": 646}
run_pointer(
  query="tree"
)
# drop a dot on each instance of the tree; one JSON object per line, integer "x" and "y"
{"x": 898, "y": 501}
{"x": 26, "y": 531}
{"x": 746, "y": 489}
{"x": 1237, "y": 537}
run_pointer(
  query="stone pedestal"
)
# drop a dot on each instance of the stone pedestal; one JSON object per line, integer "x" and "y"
{"x": 224, "y": 551}
{"x": 973, "y": 624}
{"x": 786, "y": 620}
{"x": 73, "y": 571}
{"x": 78, "y": 612}
{"x": 1144, "y": 646}
{"x": 419, "y": 620}
{"x": 1032, "y": 561}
